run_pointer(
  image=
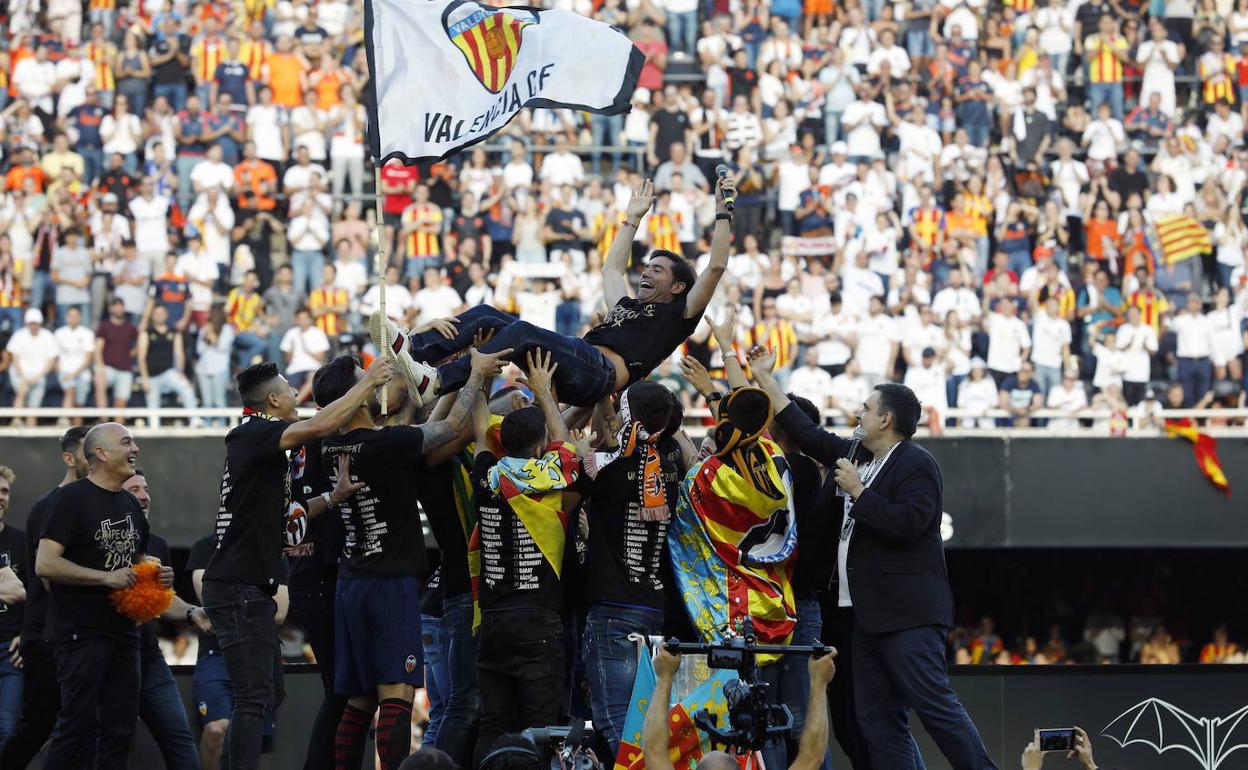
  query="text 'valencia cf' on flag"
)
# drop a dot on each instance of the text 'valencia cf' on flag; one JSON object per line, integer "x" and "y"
{"x": 451, "y": 73}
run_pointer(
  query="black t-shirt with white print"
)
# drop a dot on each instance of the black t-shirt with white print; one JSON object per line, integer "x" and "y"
{"x": 643, "y": 334}
{"x": 382, "y": 534}
{"x": 101, "y": 530}
{"x": 514, "y": 574}
{"x": 312, "y": 545}
{"x": 627, "y": 561}
{"x": 13, "y": 554}
{"x": 255, "y": 498}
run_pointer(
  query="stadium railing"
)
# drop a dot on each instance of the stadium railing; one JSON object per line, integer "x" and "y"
{"x": 166, "y": 419}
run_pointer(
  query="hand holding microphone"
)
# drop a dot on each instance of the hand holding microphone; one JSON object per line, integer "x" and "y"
{"x": 846, "y": 473}
{"x": 727, "y": 187}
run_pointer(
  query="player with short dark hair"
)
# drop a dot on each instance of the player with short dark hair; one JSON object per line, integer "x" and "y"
{"x": 246, "y": 566}
{"x": 634, "y": 338}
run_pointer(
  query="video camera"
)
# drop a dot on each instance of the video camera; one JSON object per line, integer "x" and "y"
{"x": 565, "y": 748}
{"x": 752, "y": 722}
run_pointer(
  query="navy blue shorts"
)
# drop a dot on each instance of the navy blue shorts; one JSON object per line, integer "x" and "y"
{"x": 214, "y": 695}
{"x": 377, "y": 634}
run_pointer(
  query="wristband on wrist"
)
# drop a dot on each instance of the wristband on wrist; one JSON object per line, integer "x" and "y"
{"x": 724, "y": 216}
{"x": 329, "y": 499}
{"x": 633, "y": 225}
{"x": 189, "y": 613}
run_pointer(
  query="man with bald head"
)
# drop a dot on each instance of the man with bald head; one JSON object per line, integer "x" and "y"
{"x": 655, "y": 739}
{"x": 95, "y": 534}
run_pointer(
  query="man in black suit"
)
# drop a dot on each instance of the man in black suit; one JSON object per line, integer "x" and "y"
{"x": 891, "y": 569}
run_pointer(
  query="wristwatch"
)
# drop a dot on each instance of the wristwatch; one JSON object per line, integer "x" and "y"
{"x": 329, "y": 500}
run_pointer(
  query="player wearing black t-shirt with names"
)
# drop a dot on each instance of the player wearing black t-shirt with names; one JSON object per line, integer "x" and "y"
{"x": 632, "y": 487}
{"x": 95, "y": 533}
{"x": 247, "y": 565}
{"x": 522, "y": 500}
{"x": 634, "y": 338}
{"x": 41, "y": 695}
{"x": 13, "y": 570}
{"x": 378, "y": 658}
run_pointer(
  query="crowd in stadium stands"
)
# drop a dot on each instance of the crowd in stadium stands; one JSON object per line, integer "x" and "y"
{"x": 1105, "y": 639}
{"x": 984, "y": 200}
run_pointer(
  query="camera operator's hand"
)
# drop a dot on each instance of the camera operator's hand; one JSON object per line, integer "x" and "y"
{"x": 822, "y": 669}
{"x": 1083, "y": 749}
{"x": 1033, "y": 758}
{"x": 666, "y": 664}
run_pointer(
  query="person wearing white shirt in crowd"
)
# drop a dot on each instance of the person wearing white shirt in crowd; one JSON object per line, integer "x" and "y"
{"x": 34, "y": 78}
{"x": 838, "y": 172}
{"x": 34, "y": 351}
{"x": 795, "y": 307}
{"x": 308, "y": 235}
{"x": 398, "y": 298}
{"x": 200, "y": 269}
{"x": 929, "y": 381}
{"x": 1067, "y": 396}
{"x": 151, "y": 224}
{"x": 961, "y": 160}
{"x": 958, "y": 298}
{"x": 794, "y": 179}
{"x": 351, "y": 274}
{"x": 1194, "y": 350}
{"x": 1226, "y": 319}
{"x": 131, "y": 277}
{"x": 1008, "y": 340}
{"x": 214, "y": 217}
{"x": 857, "y": 38}
{"x": 266, "y": 126}
{"x": 811, "y": 381}
{"x": 977, "y": 395}
{"x": 75, "y": 352}
{"x": 919, "y": 150}
{"x": 480, "y": 292}
{"x": 888, "y": 52}
{"x": 1048, "y": 83}
{"x": 299, "y": 176}
{"x": 539, "y": 305}
{"x": 860, "y": 285}
{"x": 849, "y": 390}
{"x": 862, "y": 122}
{"x": 306, "y": 348}
{"x": 1225, "y": 122}
{"x": 924, "y": 334}
{"x": 1051, "y": 338}
{"x": 212, "y": 172}
{"x": 1138, "y": 343}
{"x": 562, "y": 167}
{"x": 1159, "y": 56}
{"x": 878, "y": 340}
{"x": 781, "y": 46}
{"x": 1110, "y": 363}
{"x": 436, "y": 300}
{"x": 1104, "y": 136}
{"x": 834, "y": 332}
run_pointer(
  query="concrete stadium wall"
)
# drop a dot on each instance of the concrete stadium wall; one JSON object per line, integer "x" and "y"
{"x": 1007, "y": 704}
{"x": 999, "y": 492}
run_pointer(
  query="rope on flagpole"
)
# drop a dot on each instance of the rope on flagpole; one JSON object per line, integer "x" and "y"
{"x": 382, "y": 266}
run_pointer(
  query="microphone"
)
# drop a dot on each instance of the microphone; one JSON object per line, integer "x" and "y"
{"x": 730, "y": 201}
{"x": 855, "y": 443}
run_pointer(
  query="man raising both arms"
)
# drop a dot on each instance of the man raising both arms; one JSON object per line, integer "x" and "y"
{"x": 247, "y": 565}
{"x": 636, "y": 335}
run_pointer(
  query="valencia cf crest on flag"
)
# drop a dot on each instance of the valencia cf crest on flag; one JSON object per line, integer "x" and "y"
{"x": 488, "y": 38}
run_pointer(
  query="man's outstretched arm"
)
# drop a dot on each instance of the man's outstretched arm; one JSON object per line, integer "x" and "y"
{"x": 814, "y": 741}
{"x": 704, "y": 288}
{"x": 655, "y": 740}
{"x": 615, "y": 266}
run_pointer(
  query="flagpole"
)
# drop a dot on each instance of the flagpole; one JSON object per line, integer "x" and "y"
{"x": 382, "y": 265}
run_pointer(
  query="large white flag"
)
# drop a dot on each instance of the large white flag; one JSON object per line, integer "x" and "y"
{"x": 450, "y": 73}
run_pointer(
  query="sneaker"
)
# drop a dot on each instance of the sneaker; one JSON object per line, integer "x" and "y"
{"x": 422, "y": 379}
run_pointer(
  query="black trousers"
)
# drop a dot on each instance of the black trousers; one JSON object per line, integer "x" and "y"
{"x": 41, "y": 700}
{"x": 100, "y": 682}
{"x": 520, "y": 672}
{"x": 312, "y": 602}
{"x": 838, "y": 625}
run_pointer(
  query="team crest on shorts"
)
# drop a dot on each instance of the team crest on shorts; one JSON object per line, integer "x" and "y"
{"x": 410, "y": 663}
{"x": 488, "y": 38}
{"x": 203, "y": 709}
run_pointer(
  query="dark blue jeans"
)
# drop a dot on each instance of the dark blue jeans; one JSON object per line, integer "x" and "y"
{"x": 794, "y": 690}
{"x": 584, "y": 377}
{"x": 901, "y": 670}
{"x": 99, "y": 680}
{"x": 161, "y": 709}
{"x": 1196, "y": 376}
{"x": 458, "y": 733}
{"x": 611, "y": 663}
{"x": 437, "y": 679}
{"x": 242, "y": 616}
{"x": 10, "y": 695}
{"x": 175, "y": 93}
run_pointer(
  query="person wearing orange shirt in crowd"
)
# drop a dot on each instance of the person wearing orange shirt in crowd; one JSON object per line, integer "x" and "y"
{"x": 1221, "y": 649}
{"x": 327, "y": 80}
{"x": 662, "y": 231}
{"x": 422, "y": 226}
{"x": 927, "y": 223}
{"x": 286, "y": 73}
{"x": 25, "y": 166}
{"x": 1101, "y": 238}
{"x": 1152, "y": 303}
{"x": 329, "y": 305}
{"x": 242, "y": 311}
{"x": 207, "y": 52}
{"x": 398, "y": 183}
{"x": 1217, "y": 73}
{"x": 256, "y": 181}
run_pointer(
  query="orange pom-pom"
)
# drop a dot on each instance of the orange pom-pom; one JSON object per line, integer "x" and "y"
{"x": 147, "y": 598}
